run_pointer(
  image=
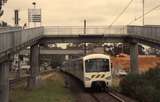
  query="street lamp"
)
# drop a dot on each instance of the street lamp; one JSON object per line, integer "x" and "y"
{"x": 34, "y": 4}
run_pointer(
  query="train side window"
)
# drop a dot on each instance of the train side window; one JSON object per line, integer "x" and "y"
{"x": 81, "y": 65}
{"x": 76, "y": 65}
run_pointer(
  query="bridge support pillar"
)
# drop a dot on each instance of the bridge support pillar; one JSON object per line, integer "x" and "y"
{"x": 4, "y": 82}
{"x": 134, "y": 58}
{"x": 34, "y": 79}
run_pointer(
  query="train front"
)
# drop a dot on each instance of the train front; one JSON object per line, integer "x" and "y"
{"x": 97, "y": 71}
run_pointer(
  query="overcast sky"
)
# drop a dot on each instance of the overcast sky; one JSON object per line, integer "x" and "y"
{"x": 73, "y": 12}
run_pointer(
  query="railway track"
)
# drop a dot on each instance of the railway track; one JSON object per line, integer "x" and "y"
{"x": 15, "y": 82}
{"x": 106, "y": 97}
{"x": 93, "y": 96}
{"x": 119, "y": 99}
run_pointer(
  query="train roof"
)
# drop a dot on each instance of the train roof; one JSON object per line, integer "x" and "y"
{"x": 92, "y": 56}
{"x": 96, "y": 56}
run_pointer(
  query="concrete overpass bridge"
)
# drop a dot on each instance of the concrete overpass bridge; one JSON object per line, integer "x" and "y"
{"x": 13, "y": 41}
{"x": 56, "y": 52}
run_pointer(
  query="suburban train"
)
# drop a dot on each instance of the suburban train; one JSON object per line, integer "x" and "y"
{"x": 92, "y": 70}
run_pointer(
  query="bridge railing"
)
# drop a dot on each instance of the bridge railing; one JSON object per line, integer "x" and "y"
{"x": 147, "y": 31}
{"x": 79, "y": 30}
{"x": 3, "y": 29}
{"x": 14, "y": 38}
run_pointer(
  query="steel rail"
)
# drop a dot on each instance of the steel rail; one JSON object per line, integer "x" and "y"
{"x": 95, "y": 98}
{"x": 116, "y": 97}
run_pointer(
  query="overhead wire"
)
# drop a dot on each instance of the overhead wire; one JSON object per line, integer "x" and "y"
{"x": 121, "y": 13}
{"x": 146, "y": 13}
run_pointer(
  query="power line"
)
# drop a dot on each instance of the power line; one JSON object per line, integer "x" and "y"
{"x": 146, "y": 13}
{"x": 115, "y": 20}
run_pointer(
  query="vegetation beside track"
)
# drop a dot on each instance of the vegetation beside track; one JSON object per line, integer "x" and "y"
{"x": 115, "y": 84}
{"x": 52, "y": 90}
{"x": 144, "y": 87}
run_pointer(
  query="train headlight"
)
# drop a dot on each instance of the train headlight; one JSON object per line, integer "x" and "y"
{"x": 87, "y": 79}
{"x": 109, "y": 77}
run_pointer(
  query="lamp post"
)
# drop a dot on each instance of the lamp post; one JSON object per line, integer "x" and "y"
{"x": 85, "y": 28}
{"x": 34, "y": 4}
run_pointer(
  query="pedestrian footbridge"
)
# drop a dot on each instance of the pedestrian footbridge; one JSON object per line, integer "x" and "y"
{"x": 14, "y": 40}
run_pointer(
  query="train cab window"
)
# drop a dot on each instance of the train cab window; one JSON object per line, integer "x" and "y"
{"x": 97, "y": 65}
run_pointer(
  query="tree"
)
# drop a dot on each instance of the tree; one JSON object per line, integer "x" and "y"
{"x": 2, "y": 2}
{"x": 57, "y": 60}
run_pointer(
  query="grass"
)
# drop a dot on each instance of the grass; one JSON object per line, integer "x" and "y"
{"x": 52, "y": 91}
{"x": 115, "y": 84}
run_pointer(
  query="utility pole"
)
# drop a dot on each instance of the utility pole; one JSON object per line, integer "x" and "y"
{"x": 16, "y": 18}
{"x": 143, "y": 12}
{"x": 85, "y": 26}
{"x": 84, "y": 31}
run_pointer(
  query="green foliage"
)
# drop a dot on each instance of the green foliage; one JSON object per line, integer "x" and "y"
{"x": 153, "y": 75}
{"x": 53, "y": 90}
{"x": 57, "y": 60}
{"x": 144, "y": 87}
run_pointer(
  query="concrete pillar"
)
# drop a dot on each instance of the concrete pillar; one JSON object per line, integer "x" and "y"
{"x": 18, "y": 74}
{"x": 134, "y": 58}
{"x": 35, "y": 69}
{"x": 4, "y": 82}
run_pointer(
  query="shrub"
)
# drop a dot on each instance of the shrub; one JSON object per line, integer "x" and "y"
{"x": 153, "y": 73}
{"x": 126, "y": 83}
{"x": 153, "y": 76}
{"x": 144, "y": 87}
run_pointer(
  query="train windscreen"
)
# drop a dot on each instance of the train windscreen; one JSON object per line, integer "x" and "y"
{"x": 97, "y": 65}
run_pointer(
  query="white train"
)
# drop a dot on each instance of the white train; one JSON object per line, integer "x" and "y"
{"x": 93, "y": 70}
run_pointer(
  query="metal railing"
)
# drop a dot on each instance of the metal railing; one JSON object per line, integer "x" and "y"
{"x": 79, "y": 30}
{"x": 148, "y": 31}
{"x": 11, "y": 39}
{"x": 3, "y": 29}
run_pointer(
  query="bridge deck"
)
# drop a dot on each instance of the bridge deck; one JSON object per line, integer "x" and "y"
{"x": 25, "y": 37}
{"x": 13, "y": 40}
